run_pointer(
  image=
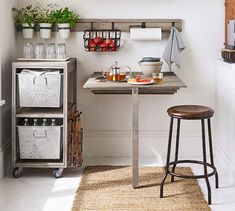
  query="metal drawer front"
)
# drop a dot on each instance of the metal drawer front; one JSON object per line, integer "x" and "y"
{"x": 40, "y": 91}
{"x": 39, "y": 142}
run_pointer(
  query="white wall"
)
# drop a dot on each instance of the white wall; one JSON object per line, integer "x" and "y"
{"x": 107, "y": 119}
{"x": 7, "y": 54}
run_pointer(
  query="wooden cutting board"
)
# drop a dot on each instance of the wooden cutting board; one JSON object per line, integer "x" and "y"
{"x": 229, "y": 14}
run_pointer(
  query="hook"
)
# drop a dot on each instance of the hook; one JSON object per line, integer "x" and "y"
{"x": 112, "y": 25}
{"x": 143, "y": 25}
{"x": 92, "y": 25}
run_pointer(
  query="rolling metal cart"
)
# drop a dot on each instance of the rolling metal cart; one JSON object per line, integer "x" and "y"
{"x": 34, "y": 85}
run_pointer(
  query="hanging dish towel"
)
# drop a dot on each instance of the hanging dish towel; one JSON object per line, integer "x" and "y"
{"x": 175, "y": 46}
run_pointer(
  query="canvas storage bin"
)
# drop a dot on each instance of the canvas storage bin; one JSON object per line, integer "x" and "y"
{"x": 40, "y": 142}
{"x": 40, "y": 88}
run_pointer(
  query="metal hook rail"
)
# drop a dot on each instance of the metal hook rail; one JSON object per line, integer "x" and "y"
{"x": 125, "y": 24}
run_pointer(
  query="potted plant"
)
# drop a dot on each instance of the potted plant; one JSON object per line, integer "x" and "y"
{"x": 27, "y": 17}
{"x": 65, "y": 20}
{"x": 44, "y": 21}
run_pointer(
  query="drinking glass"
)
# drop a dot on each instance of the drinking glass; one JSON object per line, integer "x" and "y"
{"x": 40, "y": 51}
{"x": 51, "y": 51}
{"x": 61, "y": 51}
{"x": 28, "y": 50}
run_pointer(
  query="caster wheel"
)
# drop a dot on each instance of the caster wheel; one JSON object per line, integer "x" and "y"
{"x": 57, "y": 173}
{"x": 17, "y": 172}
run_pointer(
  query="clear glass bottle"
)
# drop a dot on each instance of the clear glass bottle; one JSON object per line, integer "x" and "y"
{"x": 26, "y": 122}
{"x": 35, "y": 122}
{"x": 53, "y": 122}
{"x": 44, "y": 122}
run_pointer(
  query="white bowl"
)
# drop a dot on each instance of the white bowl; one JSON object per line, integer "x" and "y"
{"x": 148, "y": 68}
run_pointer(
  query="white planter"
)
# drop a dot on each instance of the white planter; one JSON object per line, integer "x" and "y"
{"x": 45, "y": 30}
{"x": 28, "y": 31}
{"x": 148, "y": 68}
{"x": 64, "y": 30}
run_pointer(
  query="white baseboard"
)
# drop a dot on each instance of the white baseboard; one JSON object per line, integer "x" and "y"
{"x": 5, "y": 159}
{"x": 223, "y": 161}
{"x": 127, "y": 161}
{"x": 117, "y": 143}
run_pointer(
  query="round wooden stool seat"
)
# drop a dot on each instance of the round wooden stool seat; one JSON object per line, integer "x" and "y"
{"x": 190, "y": 112}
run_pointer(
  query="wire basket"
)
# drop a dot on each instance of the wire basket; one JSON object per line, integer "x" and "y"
{"x": 102, "y": 40}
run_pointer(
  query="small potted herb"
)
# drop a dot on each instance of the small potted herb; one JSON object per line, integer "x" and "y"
{"x": 65, "y": 20}
{"x": 44, "y": 21}
{"x": 27, "y": 17}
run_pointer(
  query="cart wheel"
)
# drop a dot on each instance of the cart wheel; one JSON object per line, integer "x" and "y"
{"x": 17, "y": 172}
{"x": 57, "y": 173}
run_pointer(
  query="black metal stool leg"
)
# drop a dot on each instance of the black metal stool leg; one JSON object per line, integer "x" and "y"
{"x": 168, "y": 158}
{"x": 176, "y": 148}
{"x": 211, "y": 153}
{"x": 205, "y": 162}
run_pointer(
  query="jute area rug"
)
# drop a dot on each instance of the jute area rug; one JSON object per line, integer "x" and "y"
{"x": 107, "y": 188}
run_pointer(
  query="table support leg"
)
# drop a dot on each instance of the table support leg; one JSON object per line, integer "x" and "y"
{"x": 135, "y": 137}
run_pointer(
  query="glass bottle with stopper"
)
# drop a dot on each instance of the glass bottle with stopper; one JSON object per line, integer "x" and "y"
{"x": 35, "y": 122}
{"x": 53, "y": 122}
{"x": 26, "y": 122}
{"x": 44, "y": 122}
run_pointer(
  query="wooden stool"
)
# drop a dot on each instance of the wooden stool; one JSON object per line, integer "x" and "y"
{"x": 190, "y": 112}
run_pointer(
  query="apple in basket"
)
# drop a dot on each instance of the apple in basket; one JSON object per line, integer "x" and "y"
{"x": 104, "y": 46}
{"x": 91, "y": 44}
{"x": 98, "y": 40}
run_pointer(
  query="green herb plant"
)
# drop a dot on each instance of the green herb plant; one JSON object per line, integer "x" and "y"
{"x": 64, "y": 16}
{"x": 45, "y": 13}
{"x": 27, "y": 14}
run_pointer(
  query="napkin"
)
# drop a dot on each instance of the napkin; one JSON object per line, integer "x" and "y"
{"x": 175, "y": 46}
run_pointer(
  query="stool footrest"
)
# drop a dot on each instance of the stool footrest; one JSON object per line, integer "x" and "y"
{"x": 191, "y": 176}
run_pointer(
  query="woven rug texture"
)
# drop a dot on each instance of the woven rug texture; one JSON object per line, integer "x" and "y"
{"x": 109, "y": 188}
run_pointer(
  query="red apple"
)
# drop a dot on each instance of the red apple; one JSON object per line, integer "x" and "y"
{"x": 113, "y": 49}
{"x": 92, "y": 49}
{"x": 92, "y": 46}
{"x": 91, "y": 41}
{"x": 113, "y": 46}
{"x": 108, "y": 41}
{"x": 104, "y": 46}
{"x": 98, "y": 40}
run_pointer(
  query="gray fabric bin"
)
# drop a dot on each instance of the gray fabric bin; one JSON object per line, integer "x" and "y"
{"x": 40, "y": 142}
{"x": 40, "y": 88}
